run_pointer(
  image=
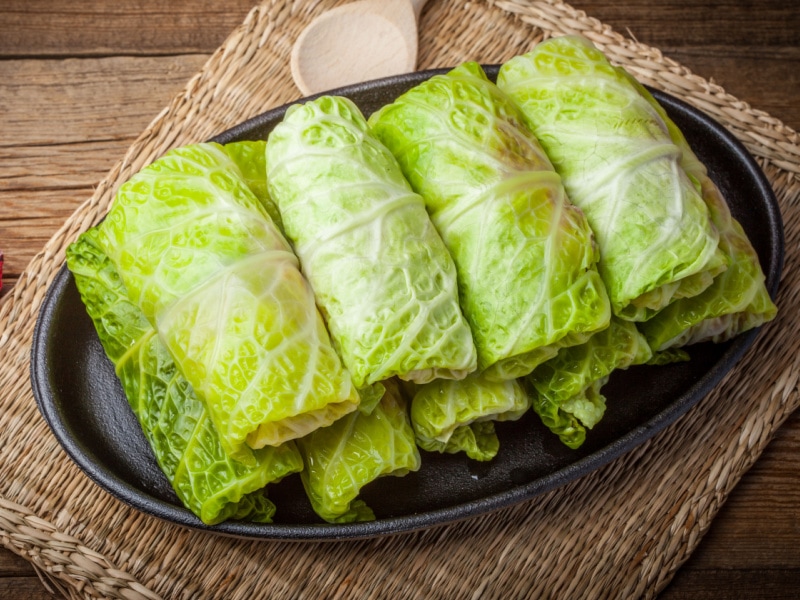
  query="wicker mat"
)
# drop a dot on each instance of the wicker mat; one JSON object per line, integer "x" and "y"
{"x": 621, "y": 531}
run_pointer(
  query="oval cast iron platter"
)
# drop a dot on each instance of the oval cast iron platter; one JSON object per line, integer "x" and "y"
{"x": 82, "y": 401}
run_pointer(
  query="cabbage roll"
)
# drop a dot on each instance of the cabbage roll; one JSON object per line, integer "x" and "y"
{"x": 458, "y": 416}
{"x": 618, "y": 163}
{"x": 566, "y": 389}
{"x": 202, "y": 259}
{"x": 175, "y": 423}
{"x": 525, "y": 256}
{"x": 738, "y": 299}
{"x": 382, "y": 276}
{"x": 357, "y": 449}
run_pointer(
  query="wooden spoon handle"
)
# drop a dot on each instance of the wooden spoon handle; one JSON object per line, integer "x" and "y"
{"x": 418, "y": 5}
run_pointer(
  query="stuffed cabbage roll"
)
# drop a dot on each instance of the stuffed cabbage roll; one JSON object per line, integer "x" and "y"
{"x": 381, "y": 274}
{"x": 738, "y": 299}
{"x": 202, "y": 259}
{"x": 174, "y": 421}
{"x": 566, "y": 389}
{"x": 354, "y": 451}
{"x": 458, "y": 416}
{"x": 618, "y": 163}
{"x": 525, "y": 255}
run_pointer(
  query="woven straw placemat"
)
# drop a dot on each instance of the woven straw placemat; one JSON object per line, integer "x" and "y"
{"x": 621, "y": 531}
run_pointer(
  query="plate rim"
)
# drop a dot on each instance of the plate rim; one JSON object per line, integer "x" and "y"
{"x": 141, "y": 500}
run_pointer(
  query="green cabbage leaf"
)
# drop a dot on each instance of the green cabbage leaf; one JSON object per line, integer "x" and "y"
{"x": 738, "y": 299}
{"x": 381, "y": 274}
{"x": 201, "y": 257}
{"x": 619, "y": 164}
{"x": 565, "y": 390}
{"x": 175, "y": 422}
{"x": 525, "y": 255}
{"x": 459, "y": 416}
{"x": 355, "y": 450}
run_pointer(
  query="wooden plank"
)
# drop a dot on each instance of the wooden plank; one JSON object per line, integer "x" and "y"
{"x": 29, "y": 169}
{"x": 73, "y": 101}
{"x": 24, "y": 588}
{"x": 752, "y": 584}
{"x": 99, "y": 28}
{"x": 18, "y": 579}
{"x": 677, "y": 23}
{"x": 12, "y": 565}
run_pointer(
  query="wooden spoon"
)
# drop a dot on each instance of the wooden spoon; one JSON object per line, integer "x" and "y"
{"x": 363, "y": 40}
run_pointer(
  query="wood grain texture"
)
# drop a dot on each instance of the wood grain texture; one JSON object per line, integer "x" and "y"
{"x": 79, "y": 81}
{"x": 18, "y": 580}
{"x": 383, "y": 43}
{"x": 47, "y": 28}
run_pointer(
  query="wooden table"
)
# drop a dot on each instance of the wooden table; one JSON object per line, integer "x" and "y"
{"x": 79, "y": 81}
